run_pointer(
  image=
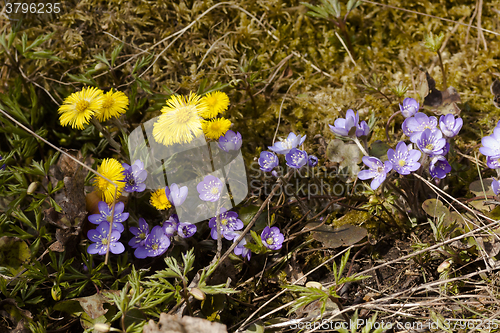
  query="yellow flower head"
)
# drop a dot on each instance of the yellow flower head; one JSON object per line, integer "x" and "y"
{"x": 114, "y": 104}
{"x": 180, "y": 121}
{"x": 79, "y": 107}
{"x": 216, "y": 102}
{"x": 216, "y": 128}
{"x": 159, "y": 199}
{"x": 114, "y": 171}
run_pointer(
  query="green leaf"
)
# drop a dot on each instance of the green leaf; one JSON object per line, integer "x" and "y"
{"x": 352, "y": 4}
{"x": 102, "y": 58}
{"x": 316, "y": 11}
{"x": 14, "y": 252}
{"x": 115, "y": 54}
{"x": 40, "y": 40}
{"x": 82, "y": 79}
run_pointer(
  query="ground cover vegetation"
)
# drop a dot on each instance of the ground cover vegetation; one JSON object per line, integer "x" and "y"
{"x": 347, "y": 177}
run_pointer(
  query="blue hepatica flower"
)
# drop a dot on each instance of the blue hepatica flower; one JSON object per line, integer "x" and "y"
{"x": 106, "y": 215}
{"x": 409, "y": 108}
{"x": 272, "y": 238}
{"x": 186, "y": 229}
{"x": 210, "y": 188}
{"x": 414, "y": 126}
{"x": 296, "y": 158}
{"x": 491, "y": 144}
{"x": 229, "y": 222}
{"x": 493, "y": 162}
{"x": 240, "y": 249}
{"x": 140, "y": 234}
{"x": 3, "y": 165}
{"x": 350, "y": 125}
{"x": 362, "y": 129}
{"x": 100, "y": 238}
{"x": 378, "y": 171}
{"x": 312, "y": 161}
{"x": 170, "y": 226}
{"x": 446, "y": 148}
{"x": 135, "y": 175}
{"x": 230, "y": 141}
{"x": 495, "y": 186}
{"x": 156, "y": 244}
{"x": 449, "y": 125}
{"x": 439, "y": 167}
{"x": 284, "y": 146}
{"x": 176, "y": 195}
{"x": 404, "y": 160}
{"x": 268, "y": 161}
{"x": 431, "y": 142}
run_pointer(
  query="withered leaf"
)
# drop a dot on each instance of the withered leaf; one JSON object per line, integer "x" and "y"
{"x": 71, "y": 199}
{"x": 440, "y": 102}
{"x": 186, "y": 324}
{"x": 93, "y": 305}
{"x": 334, "y": 237}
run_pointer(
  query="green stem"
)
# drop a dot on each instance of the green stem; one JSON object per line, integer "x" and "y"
{"x": 106, "y": 134}
{"x": 442, "y": 70}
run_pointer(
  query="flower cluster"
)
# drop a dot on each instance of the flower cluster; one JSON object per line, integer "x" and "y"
{"x": 491, "y": 149}
{"x": 294, "y": 157}
{"x": 187, "y": 117}
{"x": 79, "y": 107}
{"x": 156, "y": 242}
{"x": 100, "y": 236}
{"x": 422, "y": 130}
{"x": 230, "y": 226}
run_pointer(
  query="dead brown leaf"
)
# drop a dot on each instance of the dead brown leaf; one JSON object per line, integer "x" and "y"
{"x": 93, "y": 305}
{"x": 186, "y": 324}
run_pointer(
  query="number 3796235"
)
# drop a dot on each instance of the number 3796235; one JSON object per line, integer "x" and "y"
{"x": 33, "y": 8}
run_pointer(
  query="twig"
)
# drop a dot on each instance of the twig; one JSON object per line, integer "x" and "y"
{"x": 346, "y": 48}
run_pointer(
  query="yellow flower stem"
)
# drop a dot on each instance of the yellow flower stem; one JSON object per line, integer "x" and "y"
{"x": 106, "y": 134}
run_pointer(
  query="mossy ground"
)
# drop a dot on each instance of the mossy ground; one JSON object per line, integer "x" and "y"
{"x": 274, "y": 62}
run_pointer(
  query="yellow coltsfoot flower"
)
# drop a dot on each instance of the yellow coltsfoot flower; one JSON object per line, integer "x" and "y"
{"x": 216, "y": 102}
{"x": 114, "y": 171}
{"x": 114, "y": 104}
{"x": 159, "y": 199}
{"x": 216, "y": 128}
{"x": 180, "y": 121}
{"x": 79, "y": 107}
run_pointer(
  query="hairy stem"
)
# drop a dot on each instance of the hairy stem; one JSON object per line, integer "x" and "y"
{"x": 442, "y": 70}
{"x": 360, "y": 146}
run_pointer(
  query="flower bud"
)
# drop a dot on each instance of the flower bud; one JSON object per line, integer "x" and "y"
{"x": 314, "y": 284}
{"x": 100, "y": 66}
{"x": 32, "y": 188}
{"x": 198, "y": 294}
{"x": 104, "y": 328}
{"x": 56, "y": 292}
{"x": 444, "y": 265}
